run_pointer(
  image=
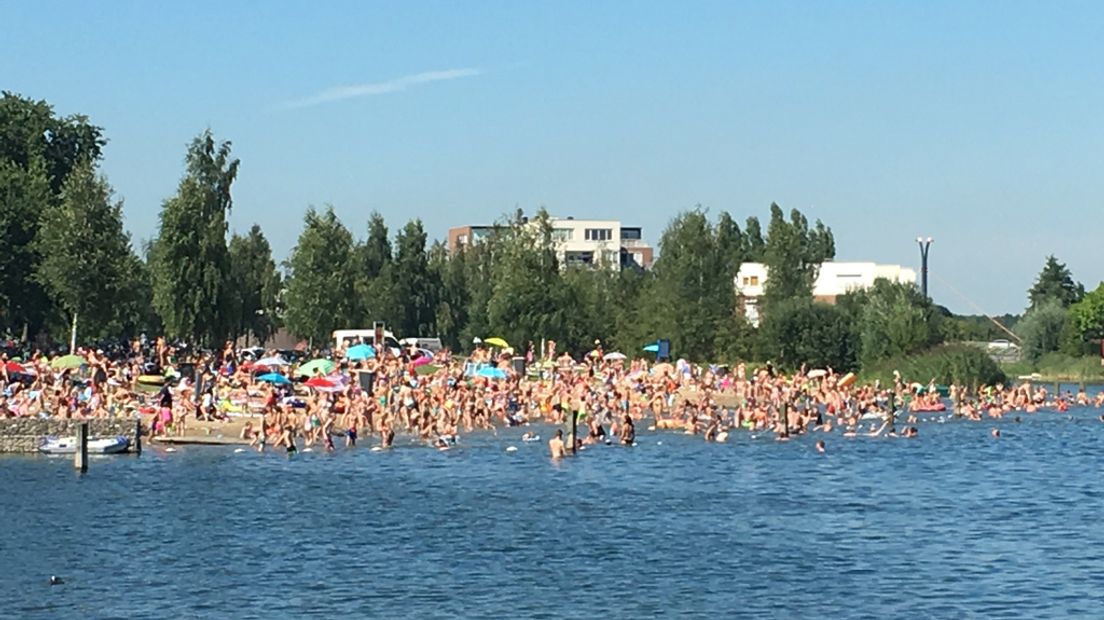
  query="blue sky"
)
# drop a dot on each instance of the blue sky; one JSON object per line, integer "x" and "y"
{"x": 976, "y": 123}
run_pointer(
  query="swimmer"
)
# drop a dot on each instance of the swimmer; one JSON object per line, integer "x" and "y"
{"x": 995, "y": 432}
{"x": 820, "y": 446}
{"x": 556, "y": 445}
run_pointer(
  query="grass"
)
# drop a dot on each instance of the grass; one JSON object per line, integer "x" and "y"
{"x": 1060, "y": 367}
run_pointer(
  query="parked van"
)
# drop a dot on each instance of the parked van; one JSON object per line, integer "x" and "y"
{"x": 345, "y": 338}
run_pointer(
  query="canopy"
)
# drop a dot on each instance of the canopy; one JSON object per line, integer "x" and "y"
{"x": 68, "y": 361}
{"x": 360, "y": 352}
{"x": 496, "y": 342}
{"x": 491, "y": 372}
{"x": 616, "y": 355}
{"x": 275, "y": 360}
{"x": 652, "y": 348}
{"x": 273, "y": 377}
{"x": 320, "y": 382}
{"x": 321, "y": 365}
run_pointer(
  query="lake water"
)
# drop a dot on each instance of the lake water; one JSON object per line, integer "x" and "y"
{"x": 954, "y": 524}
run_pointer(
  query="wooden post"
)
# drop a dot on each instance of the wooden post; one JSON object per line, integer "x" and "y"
{"x": 785, "y": 414}
{"x": 138, "y": 435}
{"x": 892, "y": 413}
{"x": 80, "y": 457}
{"x": 574, "y": 428}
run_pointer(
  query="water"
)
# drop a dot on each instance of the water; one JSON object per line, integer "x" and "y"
{"x": 954, "y": 524}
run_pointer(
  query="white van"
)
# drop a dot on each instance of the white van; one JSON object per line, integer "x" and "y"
{"x": 345, "y": 338}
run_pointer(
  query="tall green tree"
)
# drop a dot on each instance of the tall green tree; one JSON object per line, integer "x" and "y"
{"x": 1055, "y": 283}
{"x": 84, "y": 251}
{"x": 692, "y": 294}
{"x": 731, "y": 243}
{"x": 798, "y": 331}
{"x": 753, "y": 236}
{"x": 256, "y": 284}
{"x": 190, "y": 266}
{"x": 38, "y": 151}
{"x": 320, "y": 287}
{"x": 371, "y": 267}
{"x": 526, "y": 301}
{"x": 453, "y": 297}
{"x": 413, "y": 284}
{"x": 793, "y": 255}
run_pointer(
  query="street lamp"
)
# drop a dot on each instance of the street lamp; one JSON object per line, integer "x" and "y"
{"x": 924, "y": 244}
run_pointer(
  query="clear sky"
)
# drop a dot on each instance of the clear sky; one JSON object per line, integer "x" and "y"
{"x": 977, "y": 123}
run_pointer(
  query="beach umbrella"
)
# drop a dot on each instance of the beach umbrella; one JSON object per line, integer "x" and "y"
{"x": 422, "y": 361}
{"x": 271, "y": 362}
{"x": 321, "y": 365}
{"x": 273, "y": 377}
{"x": 320, "y": 383}
{"x": 491, "y": 372}
{"x": 615, "y": 356}
{"x": 652, "y": 348}
{"x": 14, "y": 368}
{"x": 497, "y": 342}
{"x": 360, "y": 352}
{"x": 68, "y": 361}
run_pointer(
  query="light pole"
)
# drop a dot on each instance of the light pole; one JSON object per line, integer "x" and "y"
{"x": 925, "y": 245}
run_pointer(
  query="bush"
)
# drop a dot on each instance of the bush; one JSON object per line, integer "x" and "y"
{"x": 948, "y": 364}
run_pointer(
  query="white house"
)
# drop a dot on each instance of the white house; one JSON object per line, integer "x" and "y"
{"x": 833, "y": 279}
{"x": 580, "y": 242}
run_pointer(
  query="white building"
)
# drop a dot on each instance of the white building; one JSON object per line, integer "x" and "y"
{"x": 833, "y": 279}
{"x": 581, "y": 242}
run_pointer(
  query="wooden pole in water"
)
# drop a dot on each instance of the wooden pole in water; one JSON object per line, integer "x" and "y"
{"x": 138, "y": 435}
{"x": 574, "y": 427}
{"x": 784, "y": 413}
{"x": 80, "y": 457}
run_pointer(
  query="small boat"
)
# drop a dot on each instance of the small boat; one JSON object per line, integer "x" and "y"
{"x": 68, "y": 445}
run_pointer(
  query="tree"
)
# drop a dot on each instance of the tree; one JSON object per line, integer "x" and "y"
{"x": 1055, "y": 283}
{"x": 753, "y": 235}
{"x": 451, "y": 314}
{"x": 255, "y": 284}
{"x": 319, "y": 293}
{"x": 895, "y": 319}
{"x": 371, "y": 269}
{"x": 84, "y": 250}
{"x": 797, "y": 331}
{"x": 412, "y": 283}
{"x": 793, "y": 255}
{"x": 526, "y": 300}
{"x": 190, "y": 263}
{"x": 731, "y": 243}
{"x": 38, "y": 151}
{"x": 1041, "y": 329}
{"x": 1086, "y": 321}
{"x": 692, "y": 293}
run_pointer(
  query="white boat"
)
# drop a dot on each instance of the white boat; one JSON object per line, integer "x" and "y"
{"x": 68, "y": 445}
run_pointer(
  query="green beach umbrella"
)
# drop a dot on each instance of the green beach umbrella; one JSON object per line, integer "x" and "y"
{"x": 324, "y": 366}
{"x": 68, "y": 361}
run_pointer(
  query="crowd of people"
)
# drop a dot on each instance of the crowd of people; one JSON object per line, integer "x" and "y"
{"x": 341, "y": 399}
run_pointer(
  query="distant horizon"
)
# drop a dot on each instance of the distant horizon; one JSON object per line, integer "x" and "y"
{"x": 974, "y": 124}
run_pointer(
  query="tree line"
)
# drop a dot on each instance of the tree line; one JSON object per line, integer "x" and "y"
{"x": 69, "y": 260}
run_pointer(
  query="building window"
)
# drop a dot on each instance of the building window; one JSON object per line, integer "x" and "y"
{"x": 754, "y": 280}
{"x": 462, "y": 239}
{"x": 599, "y": 234}
{"x": 562, "y": 234}
{"x": 578, "y": 258}
{"x": 630, "y": 234}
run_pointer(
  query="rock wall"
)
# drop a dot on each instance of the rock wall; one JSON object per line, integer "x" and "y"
{"x": 25, "y": 434}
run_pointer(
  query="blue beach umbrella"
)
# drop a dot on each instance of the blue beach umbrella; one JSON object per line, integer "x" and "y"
{"x": 652, "y": 348}
{"x": 360, "y": 352}
{"x": 273, "y": 377}
{"x": 491, "y": 372}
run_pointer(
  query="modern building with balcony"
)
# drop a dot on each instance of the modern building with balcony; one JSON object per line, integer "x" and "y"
{"x": 593, "y": 243}
{"x": 833, "y": 279}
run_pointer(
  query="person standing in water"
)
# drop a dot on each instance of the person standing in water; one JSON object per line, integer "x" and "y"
{"x": 556, "y": 445}
{"x": 628, "y": 431}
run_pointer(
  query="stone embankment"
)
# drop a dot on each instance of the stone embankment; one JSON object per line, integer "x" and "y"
{"x": 24, "y": 435}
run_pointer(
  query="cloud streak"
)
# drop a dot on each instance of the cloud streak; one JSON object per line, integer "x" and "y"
{"x": 340, "y": 93}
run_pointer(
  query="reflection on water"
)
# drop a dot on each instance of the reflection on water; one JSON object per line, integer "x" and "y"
{"x": 953, "y": 524}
